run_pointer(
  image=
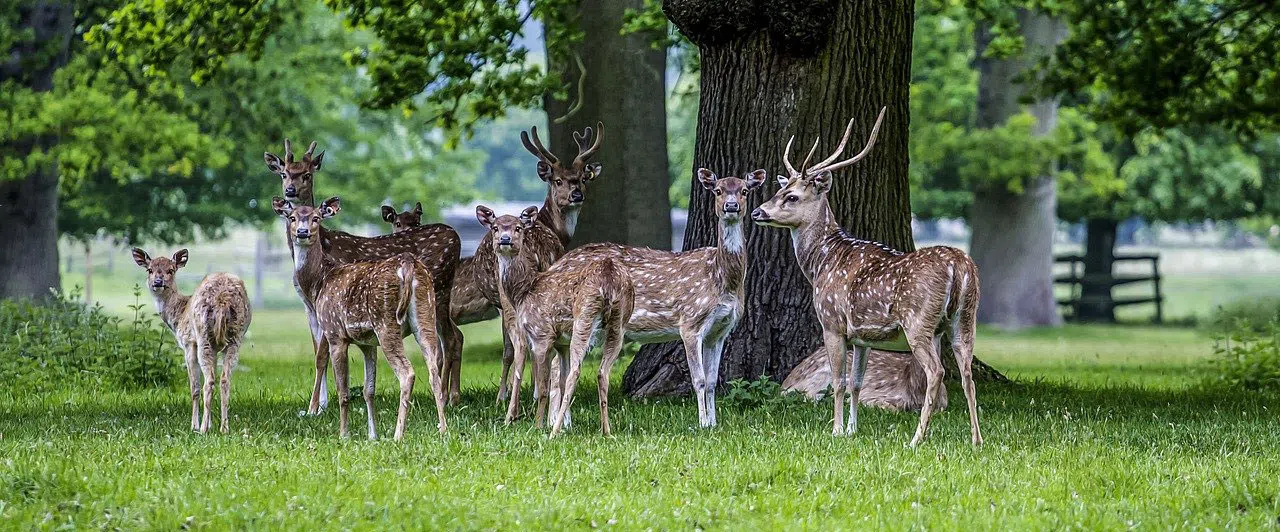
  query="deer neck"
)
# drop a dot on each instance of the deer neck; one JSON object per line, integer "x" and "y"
{"x": 562, "y": 221}
{"x": 171, "y": 306}
{"x": 809, "y": 238}
{"x": 731, "y": 254}
{"x": 515, "y": 278}
{"x": 309, "y": 268}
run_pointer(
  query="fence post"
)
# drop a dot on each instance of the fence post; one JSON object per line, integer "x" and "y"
{"x": 1155, "y": 274}
{"x": 259, "y": 264}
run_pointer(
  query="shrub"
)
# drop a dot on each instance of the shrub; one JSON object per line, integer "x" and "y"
{"x": 1257, "y": 312}
{"x": 1247, "y": 358}
{"x": 760, "y": 393}
{"x": 61, "y": 341}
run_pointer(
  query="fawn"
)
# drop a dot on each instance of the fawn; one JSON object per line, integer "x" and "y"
{"x": 573, "y": 308}
{"x": 368, "y": 304}
{"x": 213, "y": 319}
{"x": 402, "y": 221}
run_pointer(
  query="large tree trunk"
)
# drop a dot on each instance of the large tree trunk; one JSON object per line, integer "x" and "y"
{"x": 1099, "y": 258}
{"x": 771, "y": 70}
{"x": 29, "y": 205}
{"x": 624, "y": 88}
{"x": 1012, "y": 240}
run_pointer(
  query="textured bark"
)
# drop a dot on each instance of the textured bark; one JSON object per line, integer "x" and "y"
{"x": 29, "y": 205}
{"x": 1099, "y": 258}
{"x": 770, "y": 70}
{"x": 1012, "y": 240}
{"x": 625, "y": 89}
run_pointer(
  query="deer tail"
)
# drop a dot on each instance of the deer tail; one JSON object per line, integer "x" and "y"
{"x": 405, "y": 272}
{"x": 616, "y": 292}
{"x": 219, "y": 316}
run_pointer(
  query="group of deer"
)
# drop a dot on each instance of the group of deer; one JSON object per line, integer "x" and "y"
{"x": 374, "y": 291}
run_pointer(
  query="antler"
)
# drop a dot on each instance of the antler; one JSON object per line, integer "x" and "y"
{"x": 310, "y": 151}
{"x": 580, "y": 140}
{"x": 786, "y": 157}
{"x": 288, "y": 152}
{"x": 827, "y": 165}
{"x": 536, "y": 147}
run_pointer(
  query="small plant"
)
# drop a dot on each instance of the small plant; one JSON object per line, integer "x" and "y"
{"x": 1248, "y": 357}
{"x": 1256, "y": 312}
{"x": 762, "y": 392}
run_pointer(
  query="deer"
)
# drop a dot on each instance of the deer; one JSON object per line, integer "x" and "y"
{"x": 868, "y": 295}
{"x": 212, "y": 319}
{"x": 402, "y": 221}
{"x": 369, "y": 304}
{"x": 565, "y": 308}
{"x": 694, "y": 296}
{"x": 475, "y": 289}
{"x": 436, "y": 245}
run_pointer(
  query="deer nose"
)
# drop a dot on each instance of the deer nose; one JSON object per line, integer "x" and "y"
{"x": 290, "y": 191}
{"x": 759, "y": 214}
{"x": 504, "y": 240}
{"x": 732, "y": 206}
{"x": 157, "y": 283}
{"x": 576, "y": 196}
{"x": 301, "y": 232}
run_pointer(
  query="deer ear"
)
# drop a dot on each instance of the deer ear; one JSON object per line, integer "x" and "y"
{"x": 484, "y": 215}
{"x": 141, "y": 257}
{"x": 282, "y": 207}
{"x": 273, "y": 162}
{"x": 544, "y": 171}
{"x": 755, "y": 179}
{"x": 180, "y": 258}
{"x": 782, "y": 181}
{"x": 388, "y": 214}
{"x": 330, "y": 207}
{"x": 417, "y": 208}
{"x": 593, "y": 171}
{"x": 821, "y": 182}
{"x": 707, "y": 178}
{"x": 528, "y": 216}
{"x": 315, "y": 163}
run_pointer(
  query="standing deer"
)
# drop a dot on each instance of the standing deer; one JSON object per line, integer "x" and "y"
{"x": 694, "y": 296}
{"x": 213, "y": 319}
{"x": 402, "y": 221}
{"x": 369, "y": 304}
{"x": 475, "y": 290}
{"x": 435, "y": 245}
{"x": 870, "y": 296}
{"x": 566, "y": 308}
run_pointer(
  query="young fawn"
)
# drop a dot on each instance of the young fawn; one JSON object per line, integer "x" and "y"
{"x": 869, "y": 296}
{"x": 572, "y": 308}
{"x": 402, "y": 221}
{"x": 213, "y": 319}
{"x": 368, "y": 304}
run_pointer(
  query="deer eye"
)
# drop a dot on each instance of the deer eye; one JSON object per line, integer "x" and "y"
{"x": 292, "y": 218}
{"x": 559, "y": 182}
{"x": 284, "y": 175}
{"x": 791, "y": 199}
{"x": 306, "y": 175}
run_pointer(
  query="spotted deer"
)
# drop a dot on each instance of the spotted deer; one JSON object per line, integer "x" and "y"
{"x": 475, "y": 290}
{"x": 435, "y": 245}
{"x": 694, "y": 296}
{"x": 402, "y": 221}
{"x": 369, "y": 304}
{"x": 213, "y": 319}
{"x": 870, "y": 296}
{"x": 550, "y": 311}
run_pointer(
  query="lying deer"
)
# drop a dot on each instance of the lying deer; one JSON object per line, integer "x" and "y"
{"x": 435, "y": 245}
{"x": 212, "y": 320}
{"x": 368, "y": 304}
{"x": 694, "y": 296}
{"x": 869, "y": 296}
{"x": 567, "y": 308}
{"x": 475, "y": 289}
{"x": 402, "y": 221}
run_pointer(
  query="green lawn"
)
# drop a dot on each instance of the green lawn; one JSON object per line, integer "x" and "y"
{"x": 1105, "y": 428}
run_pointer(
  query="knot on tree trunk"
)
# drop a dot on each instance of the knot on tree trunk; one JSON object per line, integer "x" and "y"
{"x": 796, "y": 27}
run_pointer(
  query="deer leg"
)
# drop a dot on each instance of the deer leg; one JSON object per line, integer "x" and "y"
{"x": 697, "y": 377}
{"x": 370, "y": 353}
{"x": 559, "y": 377}
{"x": 713, "y": 350}
{"x": 508, "y": 358}
{"x": 230, "y": 357}
{"x": 208, "y": 362}
{"x": 338, "y": 355}
{"x": 542, "y": 378}
{"x": 320, "y": 391}
{"x": 193, "y": 380}
{"x": 962, "y": 348}
{"x": 836, "y": 347}
{"x": 518, "y": 349}
{"x": 609, "y": 354}
{"x": 926, "y": 354}
{"x": 578, "y": 348}
{"x": 859, "y": 372}
{"x": 451, "y": 346}
{"x": 429, "y": 343}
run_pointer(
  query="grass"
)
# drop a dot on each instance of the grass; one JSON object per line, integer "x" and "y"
{"x": 1106, "y": 427}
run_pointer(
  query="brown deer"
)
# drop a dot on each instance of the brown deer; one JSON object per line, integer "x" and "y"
{"x": 694, "y": 296}
{"x": 475, "y": 289}
{"x": 402, "y": 221}
{"x": 212, "y": 320}
{"x": 567, "y": 308}
{"x": 870, "y": 296}
{"x": 436, "y": 245}
{"x": 369, "y": 304}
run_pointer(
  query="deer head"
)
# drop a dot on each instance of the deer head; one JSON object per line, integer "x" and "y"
{"x": 303, "y": 222}
{"x": 802, "y": 195}
{"x": 568, "y": 183}
{"x": 507, "y": 230}
{"x": 160, "y": 270}
{"x": 402, "y": 221}
{"x": 730, "y": 192}
{"x": 295, "y": 176}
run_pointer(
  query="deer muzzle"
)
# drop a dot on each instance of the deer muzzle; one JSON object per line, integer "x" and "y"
{"x": 576, "y": 196}
{"x": 290, "y": 192}
{"x": 732, "y": 206}
{"x": 759, "y": 215}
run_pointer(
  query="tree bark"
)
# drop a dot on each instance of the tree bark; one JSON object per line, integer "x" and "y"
{"x": 1012, "y": 240}
{"x": 1099, "y": 257}
{"x": 29, "y": 205}
{"x": 770, "y": 70}
{"x": 625, "y": 88}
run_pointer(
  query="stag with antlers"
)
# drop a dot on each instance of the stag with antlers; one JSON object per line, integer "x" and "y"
{"x": 870, "y": 296}
{"x": 475, "y": 290}
{"x": 369, "y": 304}
{"x": 562, "y": 309}
{"x": 694, "y": 296}
{"x": 436, "y": 245}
